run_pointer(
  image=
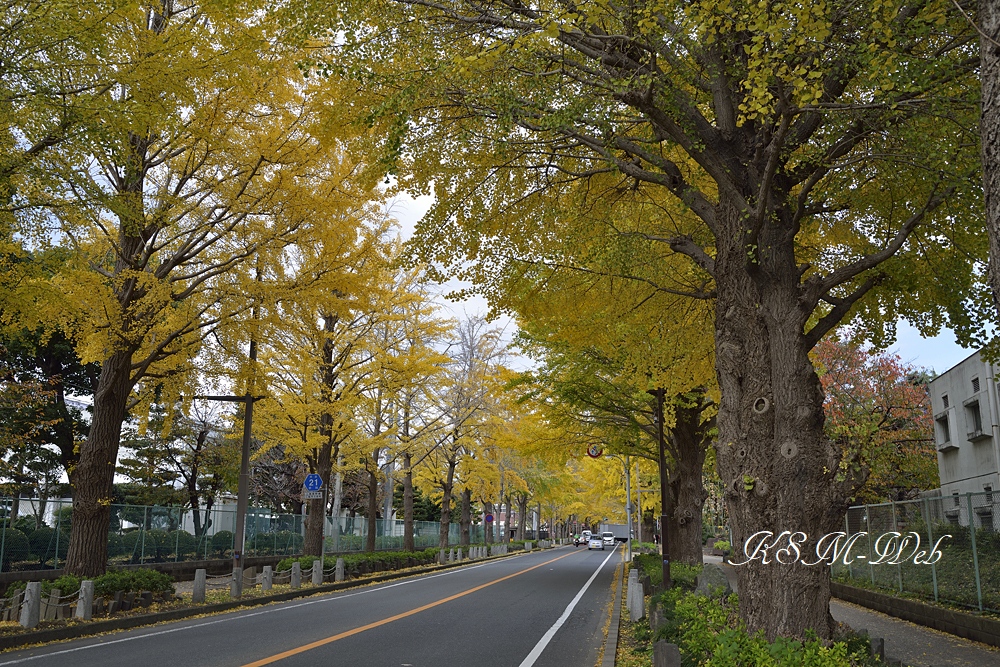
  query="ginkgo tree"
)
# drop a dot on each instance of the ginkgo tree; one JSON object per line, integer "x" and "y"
{"x": 214, "y": 153}
{"x": 826, "y": 152}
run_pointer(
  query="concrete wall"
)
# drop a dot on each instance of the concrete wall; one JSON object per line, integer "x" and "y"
{"x": 967, "y": 452}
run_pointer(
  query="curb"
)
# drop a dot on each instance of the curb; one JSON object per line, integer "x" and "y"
{"x": 97, "y": 627}
{"x": 611, "y": 643}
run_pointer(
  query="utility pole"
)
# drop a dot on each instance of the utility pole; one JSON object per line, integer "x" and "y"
{"x": 664, "y": 536}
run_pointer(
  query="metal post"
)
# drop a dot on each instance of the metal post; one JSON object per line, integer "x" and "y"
{"x": 975, "y": 555}
{"x": 628, "y": 505}
{"x": 868, "y": 525}
{"x": 895, "y": 527}
{"x": 930, "y": 540}
{"x": 142, "y": 535}
{"x": 58, "y": 526}
{"x": 847, "y": 531}
{"x": 638, "y": 502}
{"x": 177, "y": 534}
{"x": 664, "y": 532}
{"x": 243, "y": 489}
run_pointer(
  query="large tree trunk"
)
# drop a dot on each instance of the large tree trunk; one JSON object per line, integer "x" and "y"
{"x": 989, "y": 52}
{"x": 372, "y": 506}
{"x": 446, "y": 487}
{"x": 522, "y": 516}
{"x": 777, "y": 465}
{"x": 408, "y": 543}
{"x": 465, "y": 522}
{"x": 488, "y": 527}
{"x": 316, "y": 521}
{"x": 686, "y": 493}
{"x": 93, "y": 476}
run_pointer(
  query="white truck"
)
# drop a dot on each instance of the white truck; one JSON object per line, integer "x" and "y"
{"x": 620, "y": 530}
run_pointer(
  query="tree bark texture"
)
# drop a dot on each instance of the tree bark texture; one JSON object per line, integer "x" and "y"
{"x": 989, "y": 54}
{"x": 94, "y": 474}
{"x": 408, "y": 542}
{"x": 689, "y": 442}
{"x": 465, "y": 522}
{"x": 488, "y": 529}
{"x": 777, "y": 465}
{"x": 372, "y": 506}
{"x": 446, "y": 488}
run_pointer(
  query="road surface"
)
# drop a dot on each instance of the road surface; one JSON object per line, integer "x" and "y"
{"x": 541, "y": 609}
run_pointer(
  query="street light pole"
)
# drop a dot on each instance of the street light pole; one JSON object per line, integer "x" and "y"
{"x": 628, "y": 504}
{"x": 664, "y": 536}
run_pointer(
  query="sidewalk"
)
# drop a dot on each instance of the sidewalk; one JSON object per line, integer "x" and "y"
{"x": 915, "y": 645}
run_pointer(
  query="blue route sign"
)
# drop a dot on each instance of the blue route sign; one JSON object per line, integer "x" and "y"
{"x": 313, "y": 482}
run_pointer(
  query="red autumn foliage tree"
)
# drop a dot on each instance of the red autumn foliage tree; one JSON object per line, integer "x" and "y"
{"x": 878, "y": 406}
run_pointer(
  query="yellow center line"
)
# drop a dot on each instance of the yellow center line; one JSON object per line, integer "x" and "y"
{"x": 386, "y": 621}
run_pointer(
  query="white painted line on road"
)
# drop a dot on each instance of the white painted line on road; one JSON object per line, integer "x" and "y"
{"x": 547, "y": 637}
{"x": 238, "y": 616}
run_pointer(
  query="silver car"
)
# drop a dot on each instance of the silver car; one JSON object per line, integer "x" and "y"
{"x": 595, "y": 542}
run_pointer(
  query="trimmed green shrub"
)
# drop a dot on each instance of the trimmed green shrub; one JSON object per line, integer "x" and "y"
{"x": 708, "y": 631}
{"x": 16, "y": 547}
{"x": 133, "y": 581}
{"x": 181, "y": 543}
{"x": 44, "y": 541}
{"x": 115, "y": 546}
{"x": 222, "y": 542}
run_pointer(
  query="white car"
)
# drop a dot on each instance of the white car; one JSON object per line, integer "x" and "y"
{"x": 608, "y": 538}
{"x": 595, "y": 542}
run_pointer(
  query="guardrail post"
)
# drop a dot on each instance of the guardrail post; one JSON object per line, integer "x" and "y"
{"x": 85, "y": 601}
{"x": 338, "y": 574}
{"x": 975, "y": 554}
{"x": 268, "y": 578}
{"x": 930, "y": 540}
{"x": 236, "y": 585}
{"x": 296, "y": 575}
{"x": 200, "y": 578}
{"x": 317, "y": 573}
{"x": 899, "y": 567}
{"x": 31, "y": 607}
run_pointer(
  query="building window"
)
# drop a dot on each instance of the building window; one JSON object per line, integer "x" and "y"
{"x": 945, "y": 432}
{"x": 954, "y": 494}
{"x": 975, "y": 385}
{"x": 944, "y": 399}
{"x": 975, "y": 419}
{"x": 988, "y": 488}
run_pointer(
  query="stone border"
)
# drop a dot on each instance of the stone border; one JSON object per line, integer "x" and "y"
{"x": 960, "y": 623}
{"x": 125, "y": 623}
{"x": 611, "y": 642}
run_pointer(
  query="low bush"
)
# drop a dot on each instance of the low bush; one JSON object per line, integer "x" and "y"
{"x": 381, "y": 560}
{"x": 709, "y": 632}
{"x": 682, "y": 576}
{"x": 133, "y": 581}
{"x": 222, "y": 542}
{"x": 65, "y": 584}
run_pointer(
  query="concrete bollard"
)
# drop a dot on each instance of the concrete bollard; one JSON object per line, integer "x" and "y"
{"x": 666, "y": 654}
{"x": 249, "y": 578}
{"x": 317, "y": 572}
{"x": 268, "y": 578}
{"x": 459, "y": 555}
{"x": 236, "y": 585}
{"x": 50, "y": 607}
{"x": 85, "y": 601}
{"x": 296, "y": 575}
{"x": 451, "y": 556}
{"x": 200, "y": 577}
{"x": 31, "y": 607}
{"x": 634, "y": 597}
{"x": 339, "y": 572}
{"x": 527, "y": 546}
{"x": 878, "y": 647}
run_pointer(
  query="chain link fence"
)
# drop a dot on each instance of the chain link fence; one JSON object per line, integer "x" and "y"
{"x": 34, "y": 533}
{"x": 968, "y": 570}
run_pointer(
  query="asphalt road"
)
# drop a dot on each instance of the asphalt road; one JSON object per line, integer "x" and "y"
{"x": 541, "y": 609}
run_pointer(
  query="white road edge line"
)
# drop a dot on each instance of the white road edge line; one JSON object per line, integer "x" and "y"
{"x": 532, "y": 657}
{"x": 237, "y": 616}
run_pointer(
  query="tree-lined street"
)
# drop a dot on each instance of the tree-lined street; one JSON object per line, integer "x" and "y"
{"x": 488, "y": 614}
